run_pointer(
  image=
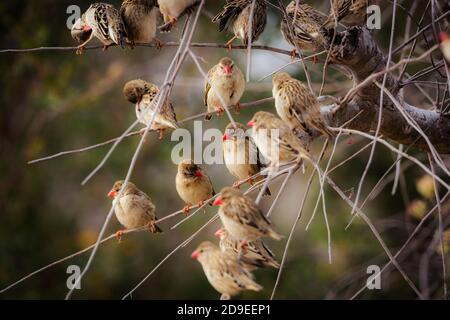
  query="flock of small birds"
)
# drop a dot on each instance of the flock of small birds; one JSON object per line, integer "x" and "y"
{"x": 228, "y": 266}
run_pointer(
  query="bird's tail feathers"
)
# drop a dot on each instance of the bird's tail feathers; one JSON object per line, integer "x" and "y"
{"x": 254, "y": 286}
{"x": 275, "y": 235}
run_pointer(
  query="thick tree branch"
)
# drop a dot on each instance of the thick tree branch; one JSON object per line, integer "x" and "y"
{"x": 357, "y": 50}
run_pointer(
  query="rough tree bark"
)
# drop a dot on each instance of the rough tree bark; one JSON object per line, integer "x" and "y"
{"x": 357, "y": 50}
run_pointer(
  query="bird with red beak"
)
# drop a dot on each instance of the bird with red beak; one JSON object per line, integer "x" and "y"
{"x": 242, "y": 218}
{"x": 227, "y": 275}
{"x": 224, "y": 87}
{"x": 103, "y": 21}
{"x": 134, "y": 209}
{"x": 193, "y": 185}
{"x": 276, "y": 141}
{"x": 82, "y": 34}
{"x": 241, "y": 155}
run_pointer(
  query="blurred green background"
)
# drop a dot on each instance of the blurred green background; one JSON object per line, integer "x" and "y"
{"x": 55, "y": 100}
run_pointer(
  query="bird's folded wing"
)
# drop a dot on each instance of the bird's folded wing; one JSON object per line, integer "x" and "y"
{"x": 230, "y": 13}
{"x": 207, "y": 85}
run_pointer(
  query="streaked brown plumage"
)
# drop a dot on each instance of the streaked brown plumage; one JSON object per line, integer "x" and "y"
{"x": 351, "y": 12}
{"x": 242, "y": 218}
{"x": 140, "y": 19}
{"x": 227, "y": 83}
{"x": 235, "y": 17}
{"x": 276, "y": 140}
{"x": 297, "y": 106}
{"x": 134, "y": 209}
{"x": 256, "y": 255}
{"x": 172, "y": 10}
{"x": 106, "y": 24}
{"x": 193, "y": 184}
{"x": 241, "y": 154}
{"x": 227, "y": 276}
{"x": 302, "y": 28}
{"x": 142, "y": 93}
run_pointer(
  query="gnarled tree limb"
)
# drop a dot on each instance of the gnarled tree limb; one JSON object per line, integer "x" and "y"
{"x": 357, "y": 50}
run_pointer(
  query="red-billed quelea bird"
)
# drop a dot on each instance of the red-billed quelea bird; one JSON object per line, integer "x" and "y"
{"x": 225, "y": 83}
{"x": 134, "y": 209}
{"x": 226, "y": 275}
{"x": 82, "y": 34}
{"x": 142, "y": 94}
{"x": 236, "y": 17}
{"x": 276, "y": 141}
{"x": 172, "y": 10}
{"x": 256, "y": 255}
{"x": 242, "y": 218}
{"x": 297, "y": 106}
{"x": 193, "y": 184}
{"x": 106, "y": 25}
{"x": 241, "y": 155}
{"x": 140, "y": 19}
{"x": 303, "y": 28}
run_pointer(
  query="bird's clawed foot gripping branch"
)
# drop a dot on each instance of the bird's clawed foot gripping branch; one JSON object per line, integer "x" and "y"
{"x": 374, "y": 104}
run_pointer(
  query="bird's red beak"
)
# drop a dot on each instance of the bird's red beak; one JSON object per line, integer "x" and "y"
{"x": 227, "y": 69}
{"x": 195, "y": 255}
{"x": 87, "y": 28}
{"x": 218, "y": 233}
{"x": 443, "y": 36}
{"x": 198, "y": 174}
{"x": 218, "y": 202}
{"x": 226, "y": 137}
{"x": 112, "y": 194}
{"x": 251, "y": 123}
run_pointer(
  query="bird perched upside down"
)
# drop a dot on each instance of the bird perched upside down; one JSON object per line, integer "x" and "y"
{"x": 297, "y": 106}
{"x": 276, "y": 141}
{"x": 303, "y": 28}
{"x": 134, "y": 209}
{"x": 256, "y": 255}
{"x": 103, "y": 21}
{"x": 172, "y": 10}
{"x": 142, "y": 94}
{"x": 226, "y": 275}
{"x": 242, "y": 218}
{"x": 193, "y": 184}
{"x": 225, "y": 82}
{"x": 235, "y": 16}
{"x": 241, "y": 155}
{"x": 140, "y": 19}
{"x": 445, "y": 47}
{"x": 82, "y": 34}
